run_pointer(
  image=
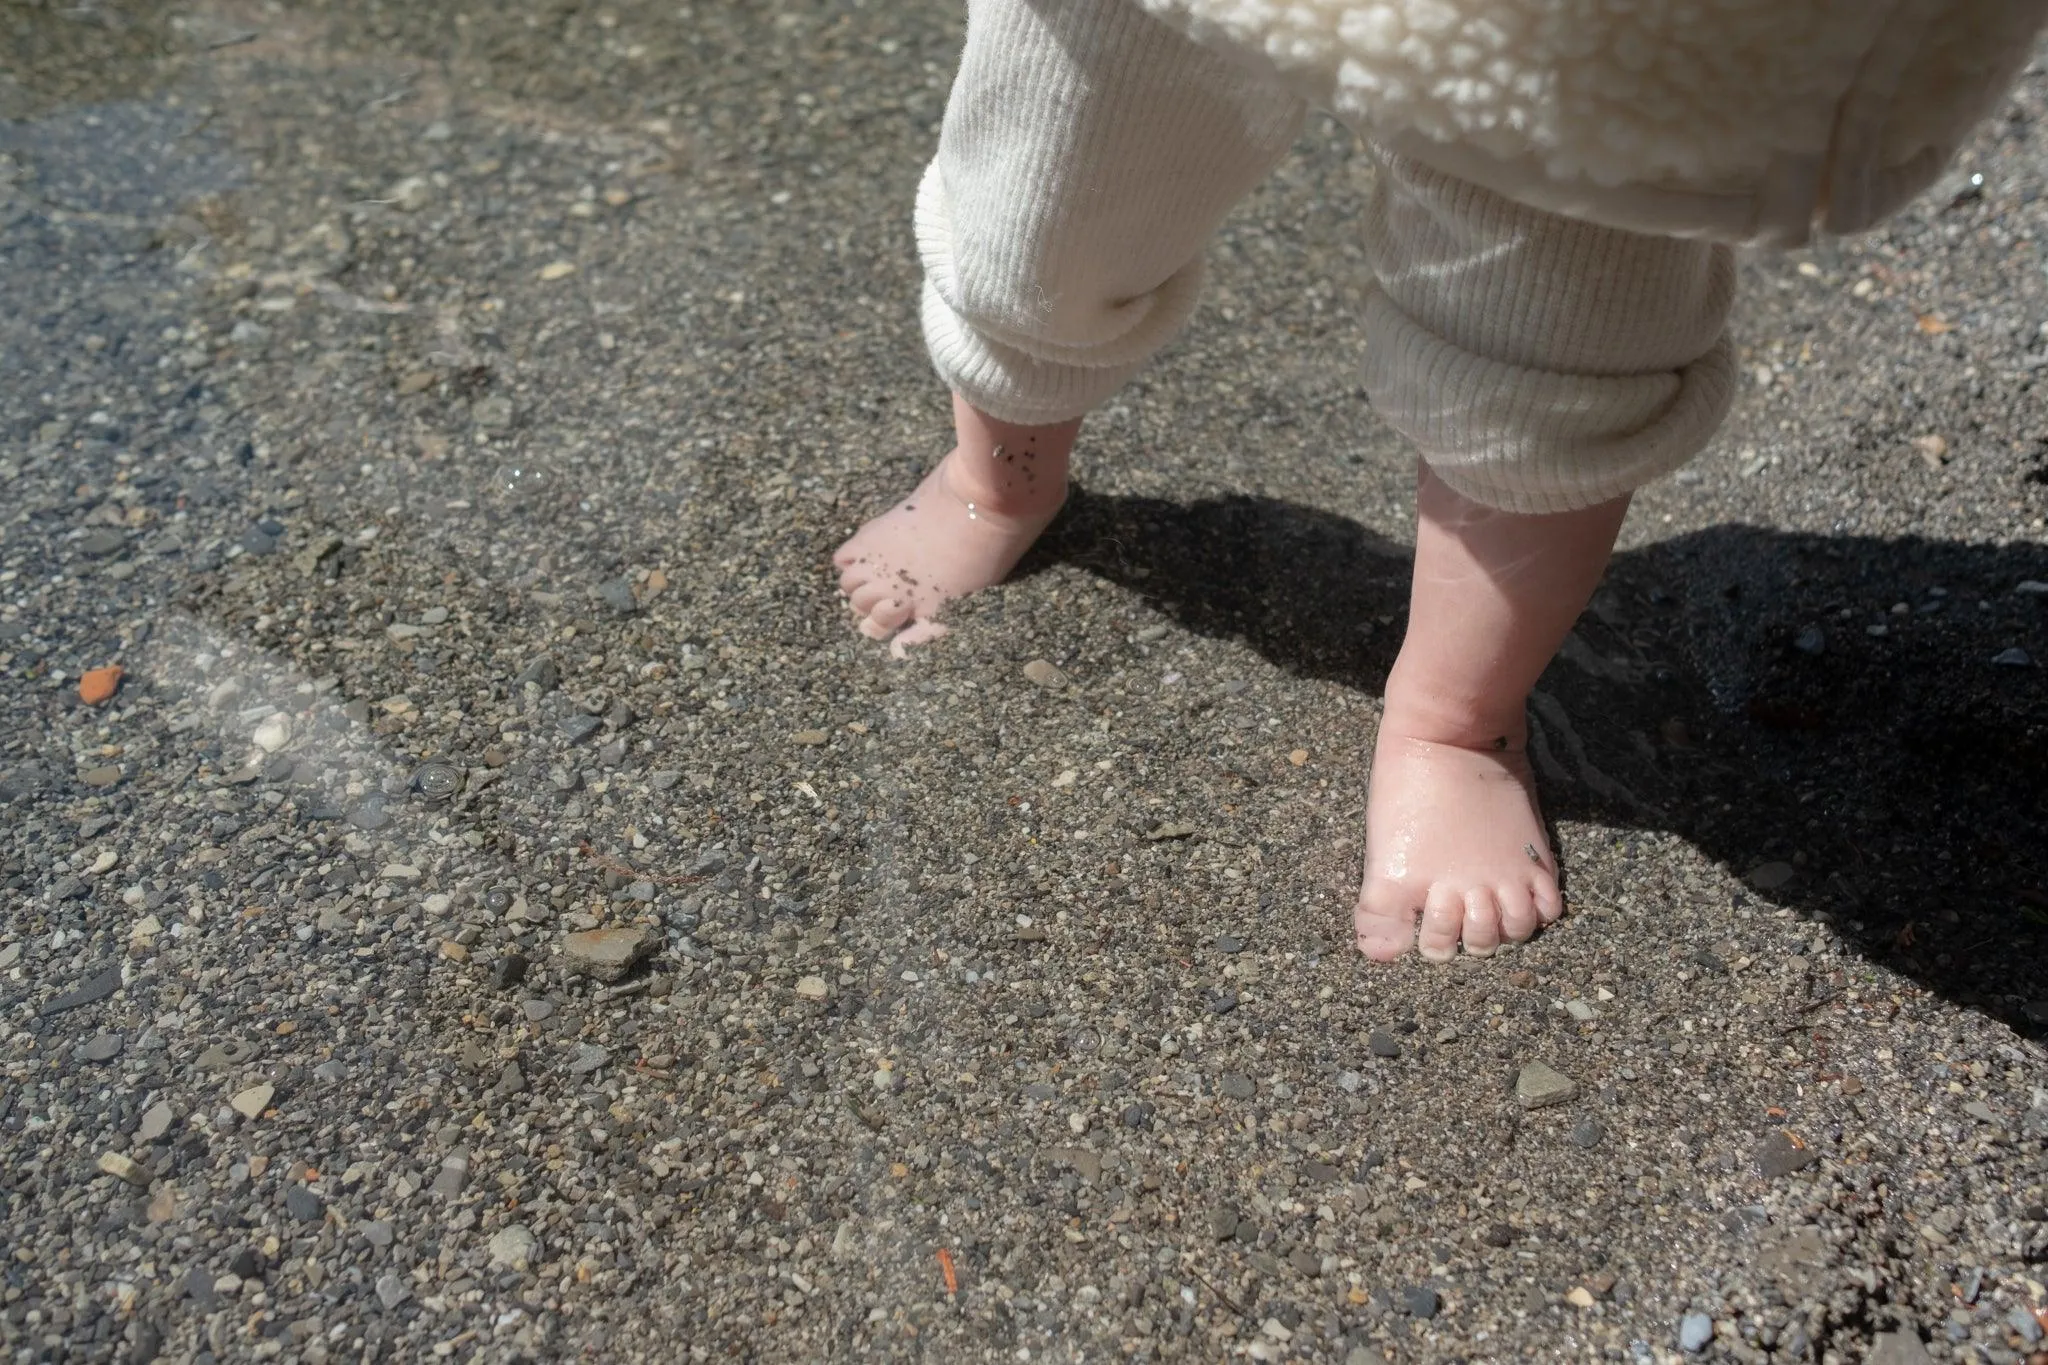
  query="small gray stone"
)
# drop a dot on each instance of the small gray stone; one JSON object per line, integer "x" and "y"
{"x": 304, "y": 1205}
{"x": 103, "y": 1048}
{"x": 541, "y": 673}
{"x": 1045, "y": 674}
{"x": 1812, "y": 640}
{"x": 95, "y": 988}
{"x": 1305, "y": 1262}
{"x": 377, "y": 1232}
{"x": 536, "y": 1008}
{"x": 617, "y": 594}
{"x": 1237, "y": 1085}
{"x": 578, "y": 728}
{"x": 156, "y": 1121}
{"x": 514, "y": 1247}
{"x": 1897, "y": 1348}
{"x": 589, "y": 1057}
{"x": 1981, "y": 1111}
{"x": 508, "y": 971}
{"x": 1220, "y": 1001}
{"x": 511, "y": 1081}
{"x": 1539, "y": 1086}
{"x": 1421, "y": 1301}
{"x": 1381, "y": 1044}
{"x": 1229, "y": 943}
{"x": 1695, "y": 1330}
{"x": 453, "y": 1175}
{"x": 664, "y": 780}
{"x": 331, "y": 1071}
{"x": 371, "y": 813}
{"x": 391, "y": 1290}
{"x": 1223, "y": 1222}
{"x": 493, "y": 413}
{"x": 101, "y": 543}
{"x": 607, "y": 954}
{"x": 1779, "y": 1155}
{"x": 2013, "y": 658}
{"x": 2023, "y": 1321}
{"x": 1588, "y": 1134}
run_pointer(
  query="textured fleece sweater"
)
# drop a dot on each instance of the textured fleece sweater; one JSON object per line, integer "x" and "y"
{"x": 1739, "y": 120}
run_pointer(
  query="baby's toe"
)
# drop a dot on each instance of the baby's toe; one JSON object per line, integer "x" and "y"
{"x": 1482, "y": 923}
{"x": 1549, "y": 903}
{"x": 1443, "y": 921}
{"x": 890, "y": 614}
{"x": 1384, "y": 922}
{"x": 1518, "y": 921}
{"x": 868, "y": 596}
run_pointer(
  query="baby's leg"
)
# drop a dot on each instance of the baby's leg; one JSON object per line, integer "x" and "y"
{"x": 1545, "y": 368}
{"x": 1087, "y": 155}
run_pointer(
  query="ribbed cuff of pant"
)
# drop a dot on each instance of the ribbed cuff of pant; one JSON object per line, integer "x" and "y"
{"x": 1539, "y": 363}
{"x": 1019, "y": 378}
{"x": 1534, "y": 441}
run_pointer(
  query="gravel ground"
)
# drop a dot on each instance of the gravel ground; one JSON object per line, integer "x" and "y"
{"x": 501, "y": 911}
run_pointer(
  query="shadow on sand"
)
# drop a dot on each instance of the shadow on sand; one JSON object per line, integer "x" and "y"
{"x": 1730, "y": 686}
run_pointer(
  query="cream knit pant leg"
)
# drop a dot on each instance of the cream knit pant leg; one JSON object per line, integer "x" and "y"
{"x": 1088, "y": 153}
{"x": 1540, "y": 364}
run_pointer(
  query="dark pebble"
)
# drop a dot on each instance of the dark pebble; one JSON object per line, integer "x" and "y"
{"x": 245, "y": 1264}
{"x": 578, "y": 728}
{"x": 1237, "y": 1086}
{"x": 1229, "y": 943}
{"x": 95, "y": 988}
{"x": 104, "y": 1048}
{"x": 1777, "y": 1155}
{"x": 1382, "y": 1044}
{"x": 1500, "y": 1235}
{"x": 1421, "y": 1301}
{"x": 541, "y": 673}
{"x": 1138, "y": 1116}
{"x": 508, "y": 971}
{"x": 371, "y": 814}
{"x": 1588, "y": 1134}
{"x": 497, "y": 900}
{"x": 304, "y": 1205}
{"x": 617, "y": 594}
{"x": 1220, "y": 1002}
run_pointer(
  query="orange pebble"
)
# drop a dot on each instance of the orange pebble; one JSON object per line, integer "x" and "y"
{"x": 97, "y": 684}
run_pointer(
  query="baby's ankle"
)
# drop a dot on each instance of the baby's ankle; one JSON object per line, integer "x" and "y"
{"x": 1022, "y": 484}
{"x": 1457, "y": 718}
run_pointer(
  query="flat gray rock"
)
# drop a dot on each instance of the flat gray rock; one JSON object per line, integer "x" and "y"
{"x": 1540, "y": 1085}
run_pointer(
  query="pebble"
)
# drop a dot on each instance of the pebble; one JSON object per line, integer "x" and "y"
{"x": 220, "y": 1056}
{"x": 2013, "y": 658}
{"x": 97, "y": 685}
{"x": 453, "y": 1175}
{"x": 812, "y": 987}
{"x": 331, "y": 1071}
{"x": 1578, "y": 1296}
{"x": 1305, "y": 1262}
{"x": 1421, "y": 1301}
{"x": 273, "y": 733}
{"x": 304, "y": 1205}
{"x": 1229, "y": 943}
{"x": 1811, "y": 640}
{"x": 1897, "y": 1348}
{"x": 536, "y": 1009}
{"x": 1540, "y": 1086}
{"x": 391, "y": 1290}
{"x": 1976, "y": 1109}
{"x": 104, "y": 776}
{"x": 589, "y": 1057}
{"x": 809, "y": 738}
{"x": 1382, "y": 1044}
{"x": 1044, "y": 674}
{"x": 156, "y": 1121}
{"x": 251, "y": 1103}
{"x": 1588, "y": 1134}
{"x": 1220, "y": 1001}
{"x": 377, "y": 1232}
{"x": 578, "y": 728}
{"x": 1770, "y": 876}
{"x": 371, "y": 814}
{"x": 514, "y": 1247}
{"x": 95, "y": 988}
{"x": 2022, "y": 1321}
{"x": 1237, "y": 1085}
{"x": 1695, "y": 1330}
{"x": 1581, "y": 1010}
{"x": 607, "y": 954}
{"x": 124, "y": 1168}
{"x": 508, "y": 971}
{"x": 1778, "y": 1154}
{"x": 541, "y": 673}
{"x": 1223, "y": 1221}
{"x": 617, "y": 594}
{"x": 511, "y": 1081}
{"x": 103, "y": 1048}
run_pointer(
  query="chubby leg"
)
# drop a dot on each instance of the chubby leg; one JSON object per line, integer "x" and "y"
{"x": 1088, "y": 153}
{"x": 1544, "y": 368}
{"x": 1454, "y": 837}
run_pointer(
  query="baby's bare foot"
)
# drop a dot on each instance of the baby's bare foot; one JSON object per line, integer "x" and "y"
{"x": 963, "y": 530}
{"x": 1453, "y": 837}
